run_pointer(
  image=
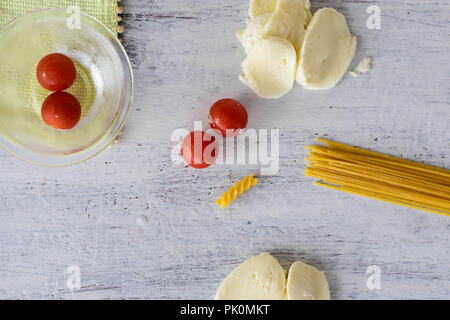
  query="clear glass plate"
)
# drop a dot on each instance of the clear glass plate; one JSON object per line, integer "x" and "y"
{"x": 104, "y": 86}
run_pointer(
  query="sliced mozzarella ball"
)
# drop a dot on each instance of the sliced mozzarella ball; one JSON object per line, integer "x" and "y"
{"x": 270, "y": 68}
{"x": 290, "y": 5}
{"x": 258, "y": 278}
{"x": 253, "y": 33}
{"x": 306, "y": 283}
{"x": 259, "y": 7}
{"x": 327, "y": 50}
{"x": 289, "y": 21}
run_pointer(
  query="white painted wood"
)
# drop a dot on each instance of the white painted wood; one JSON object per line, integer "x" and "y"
{"x": 185, "y": 56}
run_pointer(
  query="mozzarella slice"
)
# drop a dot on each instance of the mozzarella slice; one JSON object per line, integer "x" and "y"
{"x": 327, "y": 50}
{"x": 259, "y": 7}
{"x": 258, "y": 278}
{"x": 289, "y": 21}
{"x": 306, "y": 283}
{"x": 253, "y": 33}
{"x": 270, "y": 68}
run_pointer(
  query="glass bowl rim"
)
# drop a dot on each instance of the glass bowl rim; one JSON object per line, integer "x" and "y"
{"x": 115, "y": 127}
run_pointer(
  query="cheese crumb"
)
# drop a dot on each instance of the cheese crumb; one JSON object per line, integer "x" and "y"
{"x": 364, "y": 66}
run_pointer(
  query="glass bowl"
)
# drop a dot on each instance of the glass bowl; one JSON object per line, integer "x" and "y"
{"x": 104, "y": 86}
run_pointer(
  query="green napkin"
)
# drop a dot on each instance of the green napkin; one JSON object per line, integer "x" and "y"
{"x": 103, "y": 10}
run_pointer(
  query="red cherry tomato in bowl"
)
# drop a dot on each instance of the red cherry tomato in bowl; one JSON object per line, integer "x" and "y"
{"x": 228, "y": 116}
{"x": 56, "y": 72}
{"x": 199, "y": 149}
{"x": 61, "y": 110}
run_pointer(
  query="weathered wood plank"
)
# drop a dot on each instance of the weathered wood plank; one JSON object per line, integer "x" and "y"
{"x": 185, "y": 55}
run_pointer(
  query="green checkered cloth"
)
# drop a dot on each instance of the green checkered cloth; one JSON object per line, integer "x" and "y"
{"x": 103, "y": 10}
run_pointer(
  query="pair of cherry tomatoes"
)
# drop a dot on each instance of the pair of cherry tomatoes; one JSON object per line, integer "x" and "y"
{"x": 60, "y": 110}
{"x": 226, "y": 116}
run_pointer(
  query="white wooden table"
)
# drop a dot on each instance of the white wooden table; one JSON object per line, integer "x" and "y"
{"x": 185, "y": 56}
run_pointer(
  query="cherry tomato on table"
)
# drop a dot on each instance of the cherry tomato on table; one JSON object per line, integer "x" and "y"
{"x": 228, "y": 116}
{"x": 61, "y": 110}
{"x": 56, "y": 72}
{"x": 199, "y": 149}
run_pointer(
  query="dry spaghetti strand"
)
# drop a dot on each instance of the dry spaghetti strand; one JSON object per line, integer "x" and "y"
{"x": 342, "y": 146}
{"x": 370, "y": 168}
{"x": 385, "y": 179}
{"x": 399, "y": 201}
{"x": 379, "y": 176}
{"x": 406, "y": 167}
{"x": 347, "y": 181}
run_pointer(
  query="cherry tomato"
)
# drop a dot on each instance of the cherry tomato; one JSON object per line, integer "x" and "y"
{"x": 228, "y": 114}
{"x": 61, "y": 110}
{"x": 199, "y": 149}
{"x": 56, "y": 72}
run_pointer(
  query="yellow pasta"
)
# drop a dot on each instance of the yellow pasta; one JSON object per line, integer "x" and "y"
{"x": 412, "y": 204}
{"x": 379, "y": 176}
{"x": 238, "y": 189}
{"x": 342, "y": 146}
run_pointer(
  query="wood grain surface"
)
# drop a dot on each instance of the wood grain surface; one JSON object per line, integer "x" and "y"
{"x": 185, "y": 56}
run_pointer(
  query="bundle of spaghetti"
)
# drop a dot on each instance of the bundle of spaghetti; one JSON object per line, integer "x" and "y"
{"x": 379, "y": 176}
{"x": 238, "y": 189}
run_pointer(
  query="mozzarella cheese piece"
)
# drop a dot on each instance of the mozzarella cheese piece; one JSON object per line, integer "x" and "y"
{"x": 286, "y": 19}
{"x": 323, "y": 45}
{"x": 254, "y": 32}
{"x": 306, "y": 283}
{"x": 259, "y": 7}
{"x": 327, "y": 51}
{"x": 258, "y": 278}
{"x": 269, "y": 69}
{"x": 289, "y": 21}
{"x": 364, "y": 66}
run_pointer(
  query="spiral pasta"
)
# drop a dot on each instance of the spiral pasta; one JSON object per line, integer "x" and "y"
{"x": 238, "y": 189}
